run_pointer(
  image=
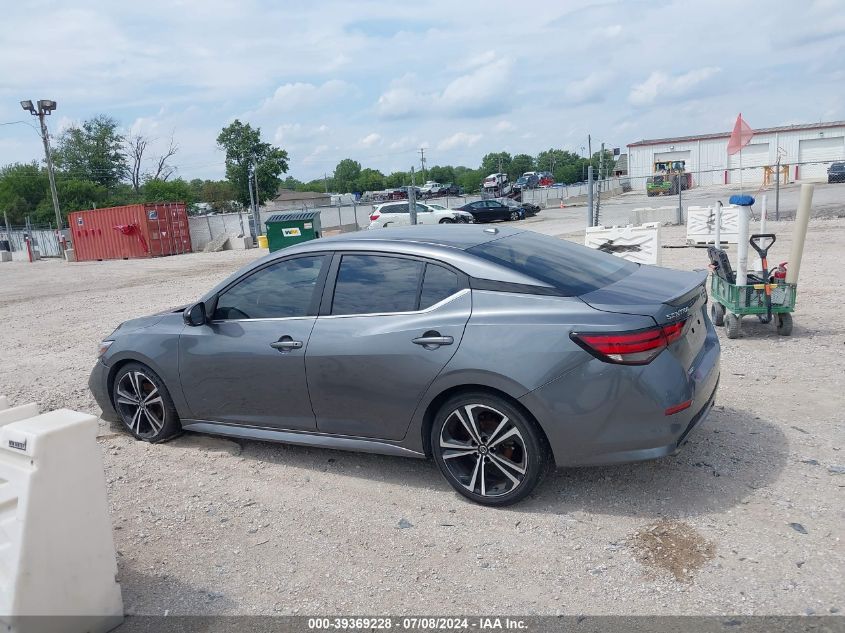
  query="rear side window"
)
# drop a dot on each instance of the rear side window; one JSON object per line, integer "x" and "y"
{"x": 370, "y": 284}
{"x": 572, "y": 269}
{"x": 395, "y": 208}
{"x": 438, "y": 284}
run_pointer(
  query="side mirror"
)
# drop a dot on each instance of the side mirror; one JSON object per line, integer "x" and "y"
{"x": 194, "y": 315}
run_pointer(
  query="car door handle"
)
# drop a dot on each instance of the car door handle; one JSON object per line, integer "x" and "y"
{"x": 432, "y": 340}
{"x": 286, "y": 343}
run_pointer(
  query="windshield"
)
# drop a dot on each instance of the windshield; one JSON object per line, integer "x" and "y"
{"x": 571, "y": 268}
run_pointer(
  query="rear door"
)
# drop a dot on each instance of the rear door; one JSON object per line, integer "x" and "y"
{"x": 387, "y": 327}
{"x": 395, "y": 214}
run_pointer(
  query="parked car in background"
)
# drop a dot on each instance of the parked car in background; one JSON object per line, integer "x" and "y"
{"x": 836, "y": 172}
{"x": 545, "y": 178}
{"x": 496, "y": 352}
{"x": 495, "y": 182}
{"x": 527, "y": 181}
{"x": 492, "y": 210}
{"x": 527, "y": 208}
{"x": 431, "y": 188}
{"x": 399, "y": 214}
{"x": 451, "y": 189}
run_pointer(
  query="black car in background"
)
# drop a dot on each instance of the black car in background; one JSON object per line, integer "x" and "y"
{"x": 836, "y": 172}
{"x": 451, "y": 189}
{"x": 492, "y": 210}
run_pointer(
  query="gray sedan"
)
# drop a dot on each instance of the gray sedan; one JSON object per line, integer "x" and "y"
{"x": 497, "y": 352}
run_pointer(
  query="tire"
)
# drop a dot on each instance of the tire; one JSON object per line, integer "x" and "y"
{"x": 446, "y": 221}
{"x": 783, "y": 323}
{"x": 717, "y": 313}
{"x": 156, "y": 420}
{"x": 479, "y": 459}
{"x": 514, "y": 216}
{"x": 733, "y": 325}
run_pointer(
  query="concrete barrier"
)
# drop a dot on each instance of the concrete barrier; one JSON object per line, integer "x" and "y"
{"x": 701, "y": 225}
{"x": 639, "y": 244}
{"x": 646, "y": 215}
{"x": 57, "y": 557}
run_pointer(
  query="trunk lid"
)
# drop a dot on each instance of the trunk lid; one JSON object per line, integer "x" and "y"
{"x": 667, "y": 296}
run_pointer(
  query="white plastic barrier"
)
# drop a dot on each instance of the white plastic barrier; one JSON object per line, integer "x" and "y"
{"x": 701, "y": 224}
{"x": 639, "y": 244}
{"x": 57, "y": 554}
{"x": 644, "y": 215}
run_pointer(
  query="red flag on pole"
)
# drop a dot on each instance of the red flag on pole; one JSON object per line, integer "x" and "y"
{"x": 741, "y": 136}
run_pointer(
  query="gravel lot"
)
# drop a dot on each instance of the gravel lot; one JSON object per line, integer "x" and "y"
{"x": 746, "y": 520}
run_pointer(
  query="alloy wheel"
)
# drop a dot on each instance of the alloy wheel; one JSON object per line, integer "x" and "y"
{"x": 140, "y": 404}
{"x": 483, "y": 450}
{"x": 514, "y": 216}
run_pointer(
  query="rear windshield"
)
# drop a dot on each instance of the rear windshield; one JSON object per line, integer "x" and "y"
{"x": 571, "y": 268}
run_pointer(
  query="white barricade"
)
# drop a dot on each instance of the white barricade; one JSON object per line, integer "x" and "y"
{"x": 701, "y": 224}
{"x": 57, "y": 557}
{"x": 644, "y": 215}
{"x": 639, "y": 244}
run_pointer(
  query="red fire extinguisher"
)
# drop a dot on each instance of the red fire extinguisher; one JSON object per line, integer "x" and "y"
{"x": 780, "y": 273}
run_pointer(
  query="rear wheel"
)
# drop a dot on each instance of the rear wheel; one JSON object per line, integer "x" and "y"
{"x": 488, "y": 450}
{"x": 784, "y": 324}
{"x": 732, "y": 325}
{"x": 144, "y": 404}
{"x": 717, "y": 313}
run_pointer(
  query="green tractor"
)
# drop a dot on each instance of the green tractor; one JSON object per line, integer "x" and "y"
{"x": 667, "y": 175}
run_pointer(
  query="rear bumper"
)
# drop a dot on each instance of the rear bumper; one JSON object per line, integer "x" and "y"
{"x": 99, "y": 386}
{"x": 608, "y": 414}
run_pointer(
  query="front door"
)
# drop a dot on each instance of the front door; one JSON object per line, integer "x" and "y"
{"x": 394, "y": 324}
{"x": 247, "y": 365}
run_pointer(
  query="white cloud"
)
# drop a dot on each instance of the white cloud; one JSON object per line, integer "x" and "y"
{"x": 371, "y": 139}
{"x": 292, "y": 133}
{"x": 459, "y": 139}
{"x": 590, "y": 89}
{"x": 659, "y": 84}
{"x": 295, "y": 96}
{"x": 503, "y": 126}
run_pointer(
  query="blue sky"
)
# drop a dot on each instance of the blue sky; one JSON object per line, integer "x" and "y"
{"x": 377, "y": 80}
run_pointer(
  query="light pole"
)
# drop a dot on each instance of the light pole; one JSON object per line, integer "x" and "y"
{"x": 45, "y": 107}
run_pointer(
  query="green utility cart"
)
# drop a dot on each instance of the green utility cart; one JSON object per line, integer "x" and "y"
{"x": 287, "y": 229}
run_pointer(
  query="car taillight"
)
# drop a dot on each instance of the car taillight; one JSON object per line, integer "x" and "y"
{"x": 375, "y": 216}
{"x": 630, "y": 348}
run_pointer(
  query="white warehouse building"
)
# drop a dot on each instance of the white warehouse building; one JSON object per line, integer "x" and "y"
{"x": 805, "y": 151}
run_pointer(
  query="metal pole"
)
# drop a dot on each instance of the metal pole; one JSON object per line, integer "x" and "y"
{"x": 601, "y": 183}
{"x": 590, "y": 195}
{"x": 257, "y": 197}
{"x": 46, "y": 138}
{"x": 777, "y": 192}
{"x": 255, "y": 218}
{"x": 8, "y": 231}
{"x": 680, "y": 205}
{"x": 412, "y": 199}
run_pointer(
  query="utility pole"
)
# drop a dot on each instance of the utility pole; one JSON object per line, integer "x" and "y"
{"x": 412, "y": 198}
{"x": 590, "y": 195}
{"x": 45, "y": 107}
{"x": 777, "y": 191}
{"x": 325, "y": 182}
{"x": 422, "y": 162}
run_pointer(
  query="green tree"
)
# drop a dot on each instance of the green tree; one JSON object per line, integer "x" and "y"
{"x": 346, "y": 174}
{"x": 469, "y": 179}
{"x": 179, "y": 190}
{"x": 495, "y": 162}
{"x": 397, "y": 179}
{"x": 369, "y": 180}
{"x": 443, "y": 175}
{"x": 292, "y": 183}
{"x": 244, "y": 148}
{"x": 23, "y": 187}
{"x": 519, "y": 165}
{"x": 219, "y": 194}
{"x": 93, "y": 151}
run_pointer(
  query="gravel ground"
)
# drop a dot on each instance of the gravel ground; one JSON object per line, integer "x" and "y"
{"x": 747, "y": 519}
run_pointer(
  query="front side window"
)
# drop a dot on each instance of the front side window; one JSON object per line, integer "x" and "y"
{"x": 371, "y": 284}
{"x": 283, "y": 289}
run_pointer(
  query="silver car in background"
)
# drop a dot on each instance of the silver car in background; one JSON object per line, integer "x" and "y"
{"x": 497, "y": 352}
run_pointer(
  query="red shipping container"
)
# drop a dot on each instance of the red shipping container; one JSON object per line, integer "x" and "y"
{"x": 133, "y": 231}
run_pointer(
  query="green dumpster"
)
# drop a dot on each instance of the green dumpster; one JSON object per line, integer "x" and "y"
{"x": 287, "y": 229}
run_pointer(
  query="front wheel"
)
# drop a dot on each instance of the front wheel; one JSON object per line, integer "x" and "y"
{"x": 514, "y": 216}
{"x": 733, "y": 325}
{"x": 488, "y": 450}
{"x": 144, "y": 404}
{"x": 447, "y": 221}
{"x": 784, "y": 324}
